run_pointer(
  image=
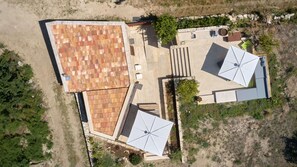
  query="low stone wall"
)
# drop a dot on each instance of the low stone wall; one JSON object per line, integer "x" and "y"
{"x": 255, "y": 17}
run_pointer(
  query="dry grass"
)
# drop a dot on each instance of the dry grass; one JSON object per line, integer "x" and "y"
{"x": 207, "y": 7}
{"x": 69, "y": 138}
{"x": 243, "y": 141}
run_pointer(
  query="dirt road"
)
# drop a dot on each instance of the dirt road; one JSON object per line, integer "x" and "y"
{"x": 20, "y": 31}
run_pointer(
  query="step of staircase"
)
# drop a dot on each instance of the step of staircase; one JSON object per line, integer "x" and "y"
{"x": 180, "y": 61}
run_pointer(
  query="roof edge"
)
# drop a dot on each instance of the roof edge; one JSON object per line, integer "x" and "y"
{"x": 124, "y": 112}
{"x": 56, "y": 55}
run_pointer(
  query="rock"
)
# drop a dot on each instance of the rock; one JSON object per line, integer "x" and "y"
{"x": 240, "y": 16}
{"x": 288, "y": 16}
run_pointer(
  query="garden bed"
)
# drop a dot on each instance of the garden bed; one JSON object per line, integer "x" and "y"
{"x": 172, "y": 116}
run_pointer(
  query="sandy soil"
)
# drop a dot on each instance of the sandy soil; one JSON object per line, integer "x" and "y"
{"x": 182, "y": 8}
{"x": 19, "y": 30}
{"x": 244, "y": 141}
{"x": 78, "y": 9}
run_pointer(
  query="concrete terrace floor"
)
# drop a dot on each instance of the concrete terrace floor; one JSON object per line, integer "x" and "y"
{"x": 154, "y": 61}
{"x": 205, "y": 52}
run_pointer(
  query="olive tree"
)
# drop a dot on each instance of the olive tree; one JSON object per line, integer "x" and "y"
{"x": 186, "y": 90}
{"x": 166, "y": 28}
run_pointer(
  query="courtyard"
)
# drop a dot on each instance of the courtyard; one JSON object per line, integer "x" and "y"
{"x": 197, "y": 58}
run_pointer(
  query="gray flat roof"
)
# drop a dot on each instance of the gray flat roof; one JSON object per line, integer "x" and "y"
{"x": 246, "y": 94}
{"x": 260, "y": 91}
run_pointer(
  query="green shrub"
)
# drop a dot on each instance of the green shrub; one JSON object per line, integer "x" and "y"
{"x": 23, "y": 131}
{"x": 293, "y": 19}
{"x": 187, "y": 90}
{"x": 100, "y": 157}
{"x": 166, "y": 28}
{"x": 237, "y": 162}
{"x": 135, "y": 158}
{"x": 176, "y": 155}
{"x": 202, "y": 22}
{"x": 267, "y": 43}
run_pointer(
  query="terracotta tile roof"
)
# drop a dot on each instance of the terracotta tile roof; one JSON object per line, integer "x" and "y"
{"x": 93, "y": 56}
{"x": 105, "y": 107}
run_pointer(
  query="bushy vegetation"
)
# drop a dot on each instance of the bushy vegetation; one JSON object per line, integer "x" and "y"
{"x": 192, "y": 113}
{"x": 202, "y": 22}
{"x": 267, "y": 43}
{"x": 24, "y": 134}
{"x": 176, "y": 155}
{"x": 242, "y": 23}
{"x": 101, "y": 157}
{"x": 135, "y": 158}
{"x": 186, "y": 90}
{"x": 166, "y": 28}
{"x": 293, "y": 19}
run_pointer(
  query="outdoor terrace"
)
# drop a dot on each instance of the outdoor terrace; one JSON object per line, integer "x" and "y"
{"x": 205, "y": 52}
{"x": 154, "y": 62}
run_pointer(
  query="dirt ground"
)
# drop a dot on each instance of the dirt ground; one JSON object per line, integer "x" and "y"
{"x": 181, "y": 8}
{"x": 19, "y": 30}
{"x": 244, "y": 141}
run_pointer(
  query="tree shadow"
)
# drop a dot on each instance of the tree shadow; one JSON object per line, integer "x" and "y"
{"x": 290, "y": 151}
{"x": 214, "y": 59}
{"x": 150, "y": 35}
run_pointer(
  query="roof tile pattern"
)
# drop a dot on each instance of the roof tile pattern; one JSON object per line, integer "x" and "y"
{"x": 105, "y": 107}
{"x": 92, "y": 57}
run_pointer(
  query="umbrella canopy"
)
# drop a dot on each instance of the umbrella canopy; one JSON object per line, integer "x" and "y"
{"x": 149, "y": 133}
{"x": 239, "y": 66}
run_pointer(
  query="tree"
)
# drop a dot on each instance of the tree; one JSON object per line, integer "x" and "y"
{"x": 166, "y": 28}
{"x": 187, "y": 90}
{"x": 23, "y": 131}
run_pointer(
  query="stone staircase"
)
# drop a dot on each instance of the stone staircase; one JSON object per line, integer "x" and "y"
{"x": 180, "y": 61}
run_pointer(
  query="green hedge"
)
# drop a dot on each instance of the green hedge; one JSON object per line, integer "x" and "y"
{"x": 202, "y": 22}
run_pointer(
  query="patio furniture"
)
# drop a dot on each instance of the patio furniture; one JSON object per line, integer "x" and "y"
{"x": 225, "y": 96}
{"x": 246, "y": 44}
{"x": 213, "y": 33}
{"x": 132, "y": 51}
{"x": 193, "y": 36}
{"x": 131, "y": 41}
{"x": 223, "y": 31}
{"x": 149, "y": 133}
{"x": 148, "y": 106}
{"x": 234, "y": 36}
{"x": 138, "y": 76}
{"x": 137, "y": 67}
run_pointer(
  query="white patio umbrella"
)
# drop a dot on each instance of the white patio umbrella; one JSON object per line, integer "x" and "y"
{"x": 149, "y": 133}
{"x": 239, "y": 66}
